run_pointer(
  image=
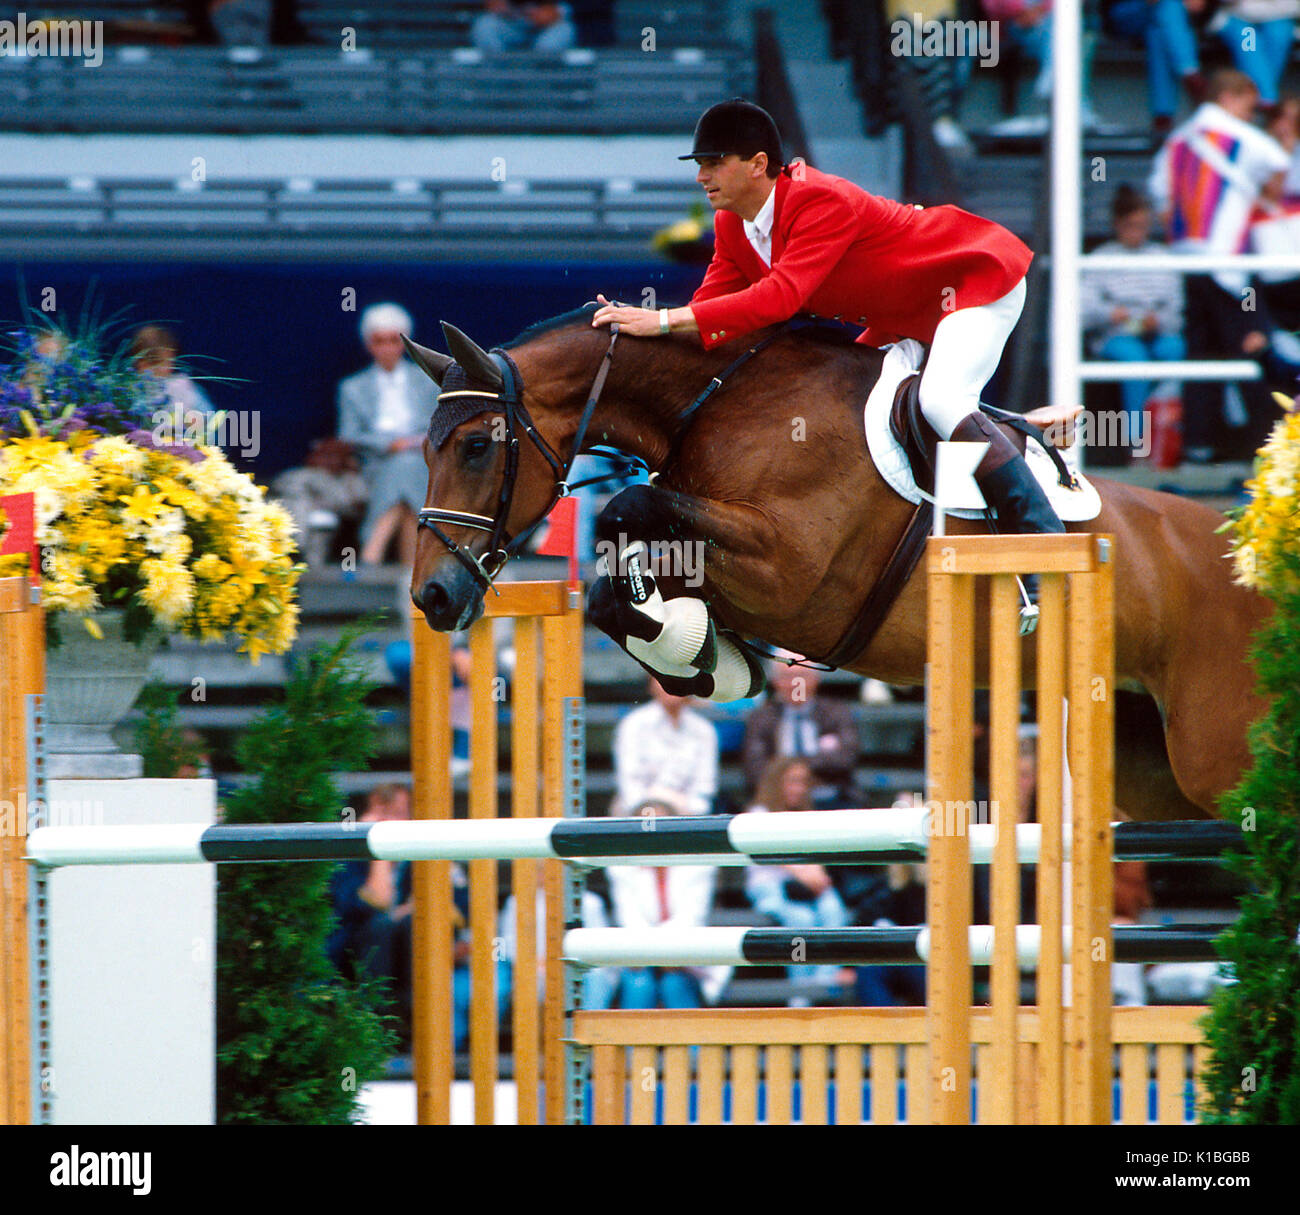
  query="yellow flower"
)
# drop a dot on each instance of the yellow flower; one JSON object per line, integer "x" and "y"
{"x": 141, "y": 505}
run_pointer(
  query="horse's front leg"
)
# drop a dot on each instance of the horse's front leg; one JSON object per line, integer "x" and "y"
{"x": 653, "y": 544}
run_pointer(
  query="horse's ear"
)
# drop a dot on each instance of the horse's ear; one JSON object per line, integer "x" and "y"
{"x": 433, "y": 364}
{"x": 472, "y": 357}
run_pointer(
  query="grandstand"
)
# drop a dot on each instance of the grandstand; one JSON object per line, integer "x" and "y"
{"x": 235, "y": 191}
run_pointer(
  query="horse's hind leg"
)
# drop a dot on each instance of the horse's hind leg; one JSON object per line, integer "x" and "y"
{"x": 1145, "y": 788}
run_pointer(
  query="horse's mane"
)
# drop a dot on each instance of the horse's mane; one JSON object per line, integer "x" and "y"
{"x": 826, "y": 333}
{"x": 541, "y": 328}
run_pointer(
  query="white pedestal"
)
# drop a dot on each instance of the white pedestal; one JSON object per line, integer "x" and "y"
{"x": 132, "y": 949}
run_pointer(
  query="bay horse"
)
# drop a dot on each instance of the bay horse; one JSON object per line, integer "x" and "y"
{"x": 772, "y": 478}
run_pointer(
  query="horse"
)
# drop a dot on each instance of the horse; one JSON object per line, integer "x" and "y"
{"x": 772, "y": 478}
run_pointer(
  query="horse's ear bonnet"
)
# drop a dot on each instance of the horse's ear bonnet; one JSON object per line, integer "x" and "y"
{"x": 472, "y": 371}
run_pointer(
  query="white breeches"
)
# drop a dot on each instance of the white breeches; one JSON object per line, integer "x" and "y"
{"x": 964, "y": 354}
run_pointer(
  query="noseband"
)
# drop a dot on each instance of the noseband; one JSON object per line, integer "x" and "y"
{"x": 509, "y": 401}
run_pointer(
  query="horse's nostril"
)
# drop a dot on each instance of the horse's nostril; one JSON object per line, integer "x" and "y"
{"x": 432, "y": 597}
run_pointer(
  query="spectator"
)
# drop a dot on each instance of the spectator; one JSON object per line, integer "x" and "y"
{"x": 154, "y": 349}
{"x": 1134, "y": 315}
{"x": 942, "y": 78}
{"x": 599, "y": 983}
{"x": 666, "y": 760}
{"x": 665, "y": 757}
{"x": 504, "y": 26}
{"x": 372, "y": 901}
{"x": 1132, "y": 898}
{"x": 1206, "y": 181}
{"x": 384, "y": 412}
{"x": 1276, "y": 229}
{"x": 795, "y": 720}
{"x": 1029, "y": 26}
{"x": 460, "y": 974}
{"x": 397, "y": 657}
{"x": 1259, "y": 34}
{"x": 1167, "y": 34}
{"x": 322, "y": 495}
{"x": 241, "y": 22}
{"x": 795, "y": 896}
{"x": 657, "y": 896}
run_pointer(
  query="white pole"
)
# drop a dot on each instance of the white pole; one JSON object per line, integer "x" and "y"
{"x": 1067, "y": 151}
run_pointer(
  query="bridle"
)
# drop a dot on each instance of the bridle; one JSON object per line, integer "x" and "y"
{"x": 509, "y": 400}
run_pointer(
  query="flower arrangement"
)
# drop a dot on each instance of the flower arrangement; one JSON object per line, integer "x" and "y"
{"x": 1266, "y": 531}
{"x": 173, "y": 534}
{"x": 1254, "y": 1027}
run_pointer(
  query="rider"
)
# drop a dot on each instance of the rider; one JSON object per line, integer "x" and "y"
{"x": 791, "y": 239}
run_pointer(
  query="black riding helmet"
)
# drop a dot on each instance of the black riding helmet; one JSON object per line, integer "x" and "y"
{"x": 737, "y": 126}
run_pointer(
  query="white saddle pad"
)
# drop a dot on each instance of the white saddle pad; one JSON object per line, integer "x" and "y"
{"x": 904, "y": 359}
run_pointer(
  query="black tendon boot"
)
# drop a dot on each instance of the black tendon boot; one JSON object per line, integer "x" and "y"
{"x": 1013, "y": 492}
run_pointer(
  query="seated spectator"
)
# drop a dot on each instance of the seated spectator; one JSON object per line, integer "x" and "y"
{"x": 795, "y": 896}
{"x": 154, "y": 349}
{"x": 666, "y": 762}
{"x": 1259, "y": 34}
{"x": 1135, "y": 315}
{"x": 1206, "y": 200}
{"x": 1276, "y": 228}
{"x": 504, "y": 26}
{"x": 1165, "y": 30}
{"x": 1132, "y": 898}
{"x": 372, "y": 900}
{"x": 1029, "y": 27}
{"x": 665, "y": 757}
{"x": 461, "y": 986}
{"x": 942, "y": 78}
{"x": 397, "y": 657}
{"x": 661, "y": 896}
{"x": 795, "y": 720}
{"x": 322, "y": 495}
{"x": 599, "y": 983}
{"x": 241, "y": 22}
{"x": 384, "y": 412}
{"x": 894, "y": 897}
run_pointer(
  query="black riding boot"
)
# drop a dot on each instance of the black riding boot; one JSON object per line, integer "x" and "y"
{"x": 1013, "y": 492}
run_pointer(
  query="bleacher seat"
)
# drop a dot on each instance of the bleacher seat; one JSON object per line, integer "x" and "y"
{"x": 141, "y": 90}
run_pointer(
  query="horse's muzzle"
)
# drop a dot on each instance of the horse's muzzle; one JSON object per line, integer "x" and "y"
{"x": 450, "y": 599}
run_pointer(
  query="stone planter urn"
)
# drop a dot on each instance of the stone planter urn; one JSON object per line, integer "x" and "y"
{"x": 90, "y": 685}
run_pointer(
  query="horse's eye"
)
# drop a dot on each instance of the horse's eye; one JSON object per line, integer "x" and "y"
{"x": 476, "y": 446}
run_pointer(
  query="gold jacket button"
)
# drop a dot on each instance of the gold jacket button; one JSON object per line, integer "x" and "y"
{"x": 713, "y": 337}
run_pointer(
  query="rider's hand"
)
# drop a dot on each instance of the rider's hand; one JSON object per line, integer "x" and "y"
{"x": 635, "y": 322}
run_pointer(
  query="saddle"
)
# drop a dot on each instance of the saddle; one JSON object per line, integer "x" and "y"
{"x": 1053, "y": 428}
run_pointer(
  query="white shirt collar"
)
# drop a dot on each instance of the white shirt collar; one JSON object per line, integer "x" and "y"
{"x": 761, "y": 225}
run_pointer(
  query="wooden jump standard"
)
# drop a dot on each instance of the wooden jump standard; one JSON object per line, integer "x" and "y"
{"x": 22, "y": 676}
{"x": 1074, "y": 653}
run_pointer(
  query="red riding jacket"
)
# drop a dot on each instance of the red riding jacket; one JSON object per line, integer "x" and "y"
{"x": 838, "y": 251}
